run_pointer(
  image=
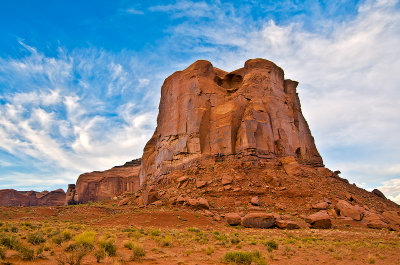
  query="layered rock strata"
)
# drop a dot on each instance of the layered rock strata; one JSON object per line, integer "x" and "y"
{"x": 252, "y": 111}
{"x": 99, "y": 185}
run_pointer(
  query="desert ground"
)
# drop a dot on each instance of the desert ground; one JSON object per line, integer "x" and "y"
{"x": 105, "y": 233}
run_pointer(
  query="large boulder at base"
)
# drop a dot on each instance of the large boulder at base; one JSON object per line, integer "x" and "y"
{"x": 205, "y": 111}
{"x": 258, "y": 220}
{"x": 374, "y": 220}
{"x": 319, "y": 220}
{"x": 233, "y": 219}
{"x": 99, "y": 185}
{"x": 345, "y": 209}
{"x": 393, "y": 218}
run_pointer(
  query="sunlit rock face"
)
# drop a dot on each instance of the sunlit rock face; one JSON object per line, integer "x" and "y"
{"x": 100, "y": 185}
{"x": 204, "y": 111}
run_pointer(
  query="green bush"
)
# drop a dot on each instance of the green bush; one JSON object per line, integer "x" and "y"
{"x": 155, "y": 232}
{"x": 86, "y": 239}
{"x": 36, "y": 238}
{"x": 66, "y": 235}
{"x": 26, "y": 253}
{"x": 194, "y": 229}
{"x": 244, "y": 257}
{"x": 100, "y": 254}
{"x": 14, "y": 229}
{"x": 138, "y": 252}
{"x": 109, "y": 247}
{"x": 10, "y": 242}
{"x": 271, "y": 245}
{"x": 129, "y": 245}
{"x": 2, "y": 253}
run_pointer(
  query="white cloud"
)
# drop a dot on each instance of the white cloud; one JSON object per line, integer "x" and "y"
{"x": 60, "y": 122}
{"x": 185, "y": 9}
{"x": 391, "y": 189}
{"x": 134, "y": 11}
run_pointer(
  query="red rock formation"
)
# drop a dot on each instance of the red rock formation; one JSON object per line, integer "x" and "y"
{"x": 206, "y": 111}
{"x": 10, "y": 197}
{"x": 99, "y": 185}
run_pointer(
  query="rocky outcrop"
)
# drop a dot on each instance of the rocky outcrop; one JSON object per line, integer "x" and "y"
{"x": 11, "y": 197}
{"x": 206, "y": 111}
{"x": 99, "y": 185}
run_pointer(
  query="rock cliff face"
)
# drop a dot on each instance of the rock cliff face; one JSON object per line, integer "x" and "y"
{"x": 99, "y": 185}
{"x": 10, "y": 197}
{"x": 203, "y": 111}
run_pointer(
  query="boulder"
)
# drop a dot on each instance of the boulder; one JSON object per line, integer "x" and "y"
{"x": 319, "y": 220}
{"x": 321, "y": 206}
{"x": 258, "y": 220}
{"x": 374, "y": 221}
{"x": 344, "y": 208}
{"x": 233, "y": 219}
{"x": 379, "y": 193}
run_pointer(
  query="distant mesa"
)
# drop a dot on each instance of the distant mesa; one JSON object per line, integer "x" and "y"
{"x": 10, "y": 197}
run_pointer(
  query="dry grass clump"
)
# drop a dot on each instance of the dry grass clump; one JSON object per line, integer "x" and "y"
{"x": 244, "y": 257}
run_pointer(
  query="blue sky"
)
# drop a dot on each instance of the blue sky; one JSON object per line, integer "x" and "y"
{"x": 80, "y": 80}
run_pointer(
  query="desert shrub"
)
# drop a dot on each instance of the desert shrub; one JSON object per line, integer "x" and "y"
{"x": 14, "y": 229}
{"x": 100, "y": 254}
{"x": 194, "y": 229}
{"x": 244, "y": 257}
{"x": 271, "y": 245}
{"x": 235, "y": 240}
{"x": 138, "y": 252}
{"x": 85, "y": 239}
{"x": 66, "y": 235}
{"x": 26, "y": 253}
{"x": 57, "y": 239}
{"x": 10, "y": 242}
{"x": 36, "y": 238}
{"x": 2, "y": 253}
{"x": 209, "y": 251}
{"x": 74, "y": 257}
{"x": 129, "y": 245}
{"x": 165, "y": 241}
{"x": 109, "y": 247}
{"x": 155, "y": 232}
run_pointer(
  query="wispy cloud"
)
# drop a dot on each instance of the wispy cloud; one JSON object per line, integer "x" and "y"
{"x": 61, "y": 121}
{"x": 134, "y": 11}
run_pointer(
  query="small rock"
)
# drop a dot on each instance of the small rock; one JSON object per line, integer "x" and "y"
{"x": 208, "y": 213}
{"x": 226, "y": 179}
{"x": 236, "y": 189}
{"x": 180, "y": 200}
{"x": 201, "y": 184}
{"x": 227, "y": 187}
{"x": 203, "y": 203}
{"x": 233, "y": 219}
{"x": 258, "y": 220}
{"x": 217, "y": 217}
{"x": 255, "y": 201}
{"x": 157, "y": 203}
{"x": 182, "y": 179}
{"x": 123, "y": 202}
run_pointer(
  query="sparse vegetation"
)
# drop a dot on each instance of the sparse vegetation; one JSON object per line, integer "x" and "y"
{"x": 109, "y": 247}
{"x": 36, "y": 238}
{"x": 244, "y": 257}
{"x": 138, "y": 252}
{"x": 271, "y": 245}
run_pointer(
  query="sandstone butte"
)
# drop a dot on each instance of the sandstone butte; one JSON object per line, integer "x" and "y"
{"x": 205, "y": 111}
{"x": 236, "y": 141}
